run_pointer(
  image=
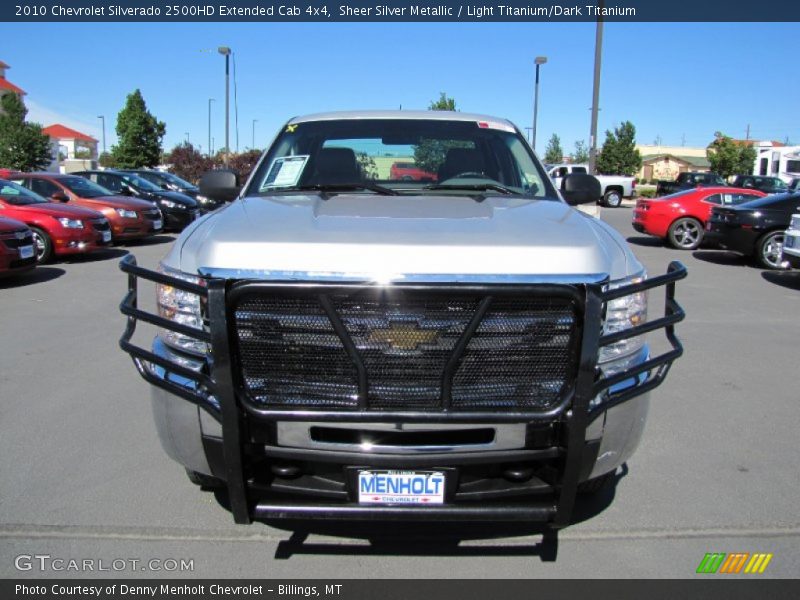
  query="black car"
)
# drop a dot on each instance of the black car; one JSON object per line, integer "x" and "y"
{"x": 768, "y": 185}
{"x": 754, "y": 228}
{"x": 179, "y": 209}
{"x": 170, "y": 181}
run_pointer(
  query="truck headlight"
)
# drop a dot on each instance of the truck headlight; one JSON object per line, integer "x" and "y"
{"x": 181, "y": 307}
{"x": 623, "y": 313}
{"x": 68, "y": 223}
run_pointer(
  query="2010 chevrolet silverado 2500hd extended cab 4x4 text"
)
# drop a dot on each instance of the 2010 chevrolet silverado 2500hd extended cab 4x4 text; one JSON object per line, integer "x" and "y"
{"x": 336, "y": 343}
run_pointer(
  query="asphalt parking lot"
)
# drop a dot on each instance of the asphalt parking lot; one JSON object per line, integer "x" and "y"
{"x": 82, "y": 475}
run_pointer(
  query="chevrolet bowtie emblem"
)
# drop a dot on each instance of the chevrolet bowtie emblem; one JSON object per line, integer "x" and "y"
{"x": 404, "y": 336}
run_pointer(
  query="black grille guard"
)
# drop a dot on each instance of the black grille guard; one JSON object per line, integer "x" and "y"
{"x": 214, "y": 390}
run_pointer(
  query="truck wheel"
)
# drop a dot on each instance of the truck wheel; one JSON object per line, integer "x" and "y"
{"x": 203, "y": 480}
{"x": 612, "y": 199}
{"x": 42, "y": 245}
{"x": 769, "y": 250}
{"x": 592, "y": 486}
{"x": 685, "y": 233}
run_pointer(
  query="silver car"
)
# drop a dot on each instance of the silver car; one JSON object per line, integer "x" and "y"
{"x": 336, "y": 343}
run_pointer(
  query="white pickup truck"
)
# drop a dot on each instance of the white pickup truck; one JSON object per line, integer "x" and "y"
{"x": 613, "y": 187}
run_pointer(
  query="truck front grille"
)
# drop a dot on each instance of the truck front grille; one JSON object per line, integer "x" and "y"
{"x": 521, "y": 354}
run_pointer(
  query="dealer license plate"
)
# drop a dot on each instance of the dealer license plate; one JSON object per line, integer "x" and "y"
{"x": 157, "y": 224}
{"x": 400, "y": 487}
{"x": 25, "y": 251}
{"x": 106, "y": 236}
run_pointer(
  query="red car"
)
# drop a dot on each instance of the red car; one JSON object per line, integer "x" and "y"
{"x": 16, "y": 247}
{"x": 681, "y": 218}
{"x": 130, "y": 218}
{"x": 406, "y": 171}
{"x": 58, "y": 229}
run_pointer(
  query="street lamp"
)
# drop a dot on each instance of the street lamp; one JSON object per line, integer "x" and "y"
{"x": 540, "y": 60}
{"x": 226, "y": 52}
{"x": 254, "y": 133}
{"x": 210, "y": 100}
{"x": 103, "y": 120}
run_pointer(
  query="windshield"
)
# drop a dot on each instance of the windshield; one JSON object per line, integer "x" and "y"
{"x": 140, "y": 182}
{"x": 18, "y": 195}
{"x": 174, "y": 179}
{"x": 84, "y": 188}
{"x": 406, "y": 156}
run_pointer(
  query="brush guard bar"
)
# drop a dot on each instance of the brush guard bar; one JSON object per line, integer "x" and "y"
{"x": 214, "y": 389}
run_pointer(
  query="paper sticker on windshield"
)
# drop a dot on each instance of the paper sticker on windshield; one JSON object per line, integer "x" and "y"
{"x": 285, "y": 171}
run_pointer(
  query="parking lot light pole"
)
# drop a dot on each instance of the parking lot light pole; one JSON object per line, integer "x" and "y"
{"x": 254, "y": 133}
{"x": 598, "y": 56}
{"x": 540, "y": 60}
{"x": 210, "y": 100}
{"x": 103, "y": 121}
{"x": 226, "y": 52}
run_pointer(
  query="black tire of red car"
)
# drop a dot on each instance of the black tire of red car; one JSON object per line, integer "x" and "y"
{"x": 204, "y": 481}
{"x": 43, "y": 245}
{"x": 612, "y": 199}
{"x": 768, "y": 253}
{"x": 593, "y": 486}
{"x": 685, "y": 233}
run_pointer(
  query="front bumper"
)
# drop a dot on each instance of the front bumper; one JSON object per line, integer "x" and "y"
{"x": 206, "y": 424}
{"x": 178, "y": 219}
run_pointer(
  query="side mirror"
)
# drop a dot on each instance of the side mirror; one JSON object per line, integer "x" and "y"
{"x": 126, "y": 190}
{"x": 580, "y": 188}
{"x": 220, "y": 185}
{"x": 59, "y": 197}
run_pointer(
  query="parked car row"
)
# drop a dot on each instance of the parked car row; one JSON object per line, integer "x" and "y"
{"x": 48, "y": 215}
{"x": 743, "y": 220}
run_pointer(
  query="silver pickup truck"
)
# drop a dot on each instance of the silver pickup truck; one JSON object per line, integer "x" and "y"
{"x": 338, "y": 344}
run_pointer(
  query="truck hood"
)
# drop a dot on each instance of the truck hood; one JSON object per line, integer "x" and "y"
{"x": 364, "y": 236}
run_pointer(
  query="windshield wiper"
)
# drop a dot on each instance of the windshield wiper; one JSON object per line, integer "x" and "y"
{"x": 346, "y": 187}
{"x": 474, "y": 187}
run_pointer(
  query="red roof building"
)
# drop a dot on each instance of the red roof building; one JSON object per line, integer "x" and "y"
{"x": 5, "y": 84}
{"x": 62, "y": 132}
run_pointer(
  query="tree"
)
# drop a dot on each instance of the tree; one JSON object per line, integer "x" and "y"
{"x": 619, "y": 155}
{"x": 429, "y": 154}
{"x": 554, "y": 153}
{"x": 727, "y": 158}
{"x": 139, "y": 134}
{"x": 244, "y": 163}
{"x": 23, "y": 146}
{"x": 106, "y": 160}
{"x": 443, "y": 103}
{"x": 187, "y": 162}
{"x": 581, "y": 154}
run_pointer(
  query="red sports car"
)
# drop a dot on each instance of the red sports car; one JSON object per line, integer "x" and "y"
{"x": 681, "y": 218}
{"x": 16, "y": 247}
{"x": 58, "y": 229}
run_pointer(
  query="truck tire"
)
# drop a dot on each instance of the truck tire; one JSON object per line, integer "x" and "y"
{"x": 612, "y": 199}
{"x": 204, "y": 481}
{"x": 768, "y": 250}
{"x": 685, "y": 233}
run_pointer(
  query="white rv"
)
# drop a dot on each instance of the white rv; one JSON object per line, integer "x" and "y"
{"x": 777, "y": 161}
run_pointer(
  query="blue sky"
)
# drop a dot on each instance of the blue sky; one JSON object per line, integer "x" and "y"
{"x": 679, "y": 82}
